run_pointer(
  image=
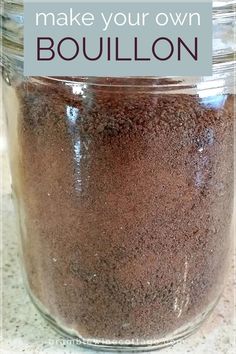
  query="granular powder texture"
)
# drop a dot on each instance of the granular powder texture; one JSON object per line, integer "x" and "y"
{"x": 126, "y": 202}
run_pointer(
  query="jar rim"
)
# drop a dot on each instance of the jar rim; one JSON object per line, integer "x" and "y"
{"x": 206, "y": 85}
{"x": 223, "y": 57}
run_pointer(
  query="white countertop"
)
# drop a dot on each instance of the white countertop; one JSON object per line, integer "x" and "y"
{"x": 24, "y": 330}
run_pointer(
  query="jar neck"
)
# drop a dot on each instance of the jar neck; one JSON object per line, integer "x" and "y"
{"x": 224, "y": 45}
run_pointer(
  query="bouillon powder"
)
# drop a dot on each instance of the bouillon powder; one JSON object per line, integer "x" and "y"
{"x": 126, "y": 202}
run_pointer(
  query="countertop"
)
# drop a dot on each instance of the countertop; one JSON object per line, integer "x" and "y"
{"x": 24, "y": 330}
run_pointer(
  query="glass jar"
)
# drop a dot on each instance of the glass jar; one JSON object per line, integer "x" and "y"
{"x": 124, "y": 191}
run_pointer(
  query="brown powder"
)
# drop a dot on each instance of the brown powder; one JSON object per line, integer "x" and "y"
{"x": 126, "y": 203}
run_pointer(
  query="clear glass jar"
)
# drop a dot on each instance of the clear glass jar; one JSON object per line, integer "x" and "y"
{"x": 124, "y": 191}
